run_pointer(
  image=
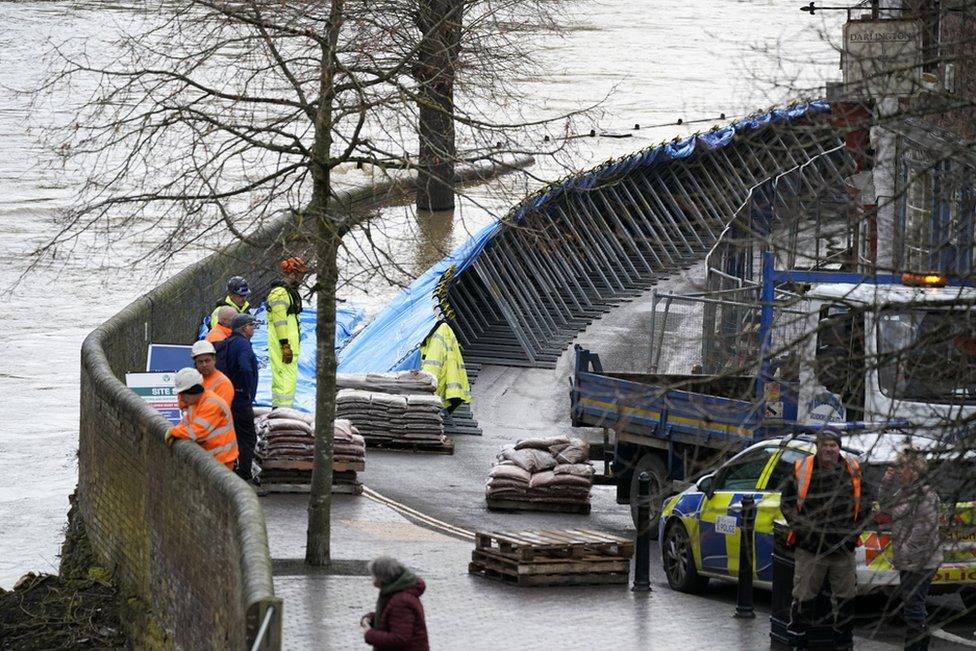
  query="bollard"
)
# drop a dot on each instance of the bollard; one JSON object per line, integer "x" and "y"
{"x": 743, "y": 596}
{"x": 642, "y": 549}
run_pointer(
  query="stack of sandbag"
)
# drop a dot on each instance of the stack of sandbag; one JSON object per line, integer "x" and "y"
{"x": 542, "y": 471}
{"x": 286, "y": 446}
{"x": 393, "y": 418}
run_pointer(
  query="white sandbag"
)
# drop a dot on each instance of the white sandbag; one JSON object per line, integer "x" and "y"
{"x": 579, "y": 469}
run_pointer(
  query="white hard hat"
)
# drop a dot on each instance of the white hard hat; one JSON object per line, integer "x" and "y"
{"x": 202, "y": 347}
{"x": 187, "y": 378}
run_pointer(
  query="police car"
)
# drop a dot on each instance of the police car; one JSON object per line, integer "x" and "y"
{"x": 700, "y": 527}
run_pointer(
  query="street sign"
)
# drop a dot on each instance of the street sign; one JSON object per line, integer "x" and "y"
{"x": 168, "y": 357}
{"x": 158, "y": 390}
{"x": 881, "y": 58}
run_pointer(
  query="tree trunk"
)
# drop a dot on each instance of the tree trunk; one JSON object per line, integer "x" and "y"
{"x": 318, "y": 548}
{"x": 318, "y": 540}
{"x": 439, "y": 22}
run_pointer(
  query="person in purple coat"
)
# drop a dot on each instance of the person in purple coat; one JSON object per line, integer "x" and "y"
{"x": 398, "y": 623}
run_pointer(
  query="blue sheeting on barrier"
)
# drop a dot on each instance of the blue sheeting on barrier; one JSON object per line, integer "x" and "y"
{"x": 347, "y": 318}
{"x": 390, "y": 342}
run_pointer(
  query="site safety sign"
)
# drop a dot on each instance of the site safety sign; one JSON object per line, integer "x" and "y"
{"x": 158, "y": 390}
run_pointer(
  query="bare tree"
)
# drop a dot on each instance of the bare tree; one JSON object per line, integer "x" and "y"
{"x": 218, "y": 114}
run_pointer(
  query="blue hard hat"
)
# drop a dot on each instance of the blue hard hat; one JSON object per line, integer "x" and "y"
{"x": 237, "y": 285}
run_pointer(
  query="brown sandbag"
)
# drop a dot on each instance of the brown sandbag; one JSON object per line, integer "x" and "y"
{"x": 542, "y": 444}
{"x": 570, "y": 480}
{"x": 530, "y": 459}
{"x": 572, "y": 455}
{"x": 511, "y": 472}
{"x": 578, "y": 469}
{"x": 542, "y": 479}
{"x": 288, "y": 412}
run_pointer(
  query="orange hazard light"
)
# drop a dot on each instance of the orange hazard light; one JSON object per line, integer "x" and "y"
{"x": 928, "y": 280}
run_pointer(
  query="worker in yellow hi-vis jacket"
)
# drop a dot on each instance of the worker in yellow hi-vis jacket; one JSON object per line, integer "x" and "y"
{"x": 284, "y": 345}
{"x": 441, "y": 355}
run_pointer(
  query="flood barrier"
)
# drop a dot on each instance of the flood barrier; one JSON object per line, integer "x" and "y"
{"x": 522, "y": 288}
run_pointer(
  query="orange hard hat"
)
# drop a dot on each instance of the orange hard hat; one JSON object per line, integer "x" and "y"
{"x": 293, "y": 265}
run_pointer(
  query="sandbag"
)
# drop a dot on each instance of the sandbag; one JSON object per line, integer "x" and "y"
{"x": 570, "y": 480}
{"x": 512, "y": 472}
{"x": 572, "y": 455}
{"x": 288, "y": 423}
{"x": 542, "y": 479}
{"x": 579, "y": 469}
{"x": 542, "y": 444}
{"x": 530, "y": 459}
{"x": 288, "y": 412}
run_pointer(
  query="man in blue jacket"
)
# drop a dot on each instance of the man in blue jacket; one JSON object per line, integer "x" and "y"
{"x": 236, "y": 360}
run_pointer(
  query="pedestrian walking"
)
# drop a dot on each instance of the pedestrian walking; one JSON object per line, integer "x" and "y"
{"x": 440, "y": 353}
{"x": 822, "y": 504}
{"x": 398, "y": 623}
{"x": 205, "y": 360}
{"x": 206, "y": 418}
{"x": 236, "y": 298}
{"x": 236, "y": 359}
{"x": 284, "y": 339}
{"x": 914, "y": 508}
{"x": 221, "y": 330}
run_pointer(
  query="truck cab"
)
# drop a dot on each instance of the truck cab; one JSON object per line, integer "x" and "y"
{"x": 888, "y": 352}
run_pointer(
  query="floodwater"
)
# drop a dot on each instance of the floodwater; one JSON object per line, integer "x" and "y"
{"x": 649, "y": 62}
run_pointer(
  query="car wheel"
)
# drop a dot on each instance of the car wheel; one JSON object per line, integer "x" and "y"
{"x": 679, "y": 560}
{"x": 660, "y": 488}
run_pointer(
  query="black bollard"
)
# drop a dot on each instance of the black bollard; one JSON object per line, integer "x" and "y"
{"x": 743, "y": 596}
{"x": 642, "y": 550}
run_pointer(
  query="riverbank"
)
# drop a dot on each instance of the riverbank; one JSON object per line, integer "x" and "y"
{"x": 78, "y": 608}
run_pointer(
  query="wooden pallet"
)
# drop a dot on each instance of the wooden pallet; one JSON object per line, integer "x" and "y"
{"x": 496, "y": 504}
{"x": 306, "y": 465}
{"x": 568, "y": 543}
{"x": 447, "y": 447}
{"x": 544, "y": 566}
{"x": 498, "y": 573}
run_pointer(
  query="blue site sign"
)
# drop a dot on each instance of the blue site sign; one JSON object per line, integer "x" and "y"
{"x": 167, "y": 357}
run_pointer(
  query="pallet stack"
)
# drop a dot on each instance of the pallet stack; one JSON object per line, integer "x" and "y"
{"x": 286, "y": 447}
{"x": 540, "y": 558}
{"x": 546, "y": 474}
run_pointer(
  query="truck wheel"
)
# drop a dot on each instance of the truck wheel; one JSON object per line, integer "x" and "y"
{"x": 660, "y": 488}
{"x": 678, "y": 560}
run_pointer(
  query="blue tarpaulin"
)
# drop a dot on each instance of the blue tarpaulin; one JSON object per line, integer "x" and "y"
{"x": 390, "y": 342}
{"x": 347, "y": 318}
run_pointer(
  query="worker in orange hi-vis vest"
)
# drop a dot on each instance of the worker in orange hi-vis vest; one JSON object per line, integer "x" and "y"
{"x": 205, "y": 360}
{"x": 221, "y": 330}
{"x": 207, "y": 419}
{"x": 822, "y": 504}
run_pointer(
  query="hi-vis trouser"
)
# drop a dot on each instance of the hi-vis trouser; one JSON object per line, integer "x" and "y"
{"x": 281, "y": 325}
{"x": 441, "y": 356}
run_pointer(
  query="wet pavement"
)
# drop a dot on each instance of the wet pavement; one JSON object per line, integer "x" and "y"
{"x": 322, "y": 610}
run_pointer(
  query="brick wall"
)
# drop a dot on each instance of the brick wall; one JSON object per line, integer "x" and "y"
{"x": 185, "y": 538}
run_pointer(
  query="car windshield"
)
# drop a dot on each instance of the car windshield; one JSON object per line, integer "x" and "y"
{"x": 927, "y": 355}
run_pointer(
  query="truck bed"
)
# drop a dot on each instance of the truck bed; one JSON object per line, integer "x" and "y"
{"x": 709, "y": 411}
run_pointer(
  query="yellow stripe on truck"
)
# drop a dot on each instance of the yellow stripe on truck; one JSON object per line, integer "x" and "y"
{"x": 697, "y": 423}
